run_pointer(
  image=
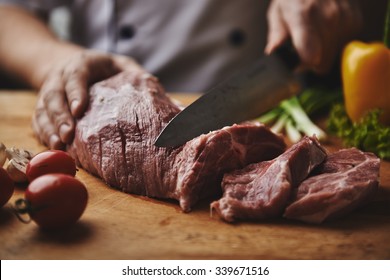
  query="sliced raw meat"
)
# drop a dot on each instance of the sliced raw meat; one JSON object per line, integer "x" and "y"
{"x": 115, "y": 141}
{"x": 343, "y": 182}
{"x": 261, "y": 190}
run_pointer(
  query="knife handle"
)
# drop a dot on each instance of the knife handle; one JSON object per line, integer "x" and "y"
{"x": 288, "y": 54}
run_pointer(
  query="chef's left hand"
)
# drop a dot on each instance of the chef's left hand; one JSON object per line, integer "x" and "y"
{"x": 64, "y": 96}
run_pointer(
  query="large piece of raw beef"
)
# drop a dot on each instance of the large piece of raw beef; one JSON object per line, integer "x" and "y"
{"x": 115, "y": 141}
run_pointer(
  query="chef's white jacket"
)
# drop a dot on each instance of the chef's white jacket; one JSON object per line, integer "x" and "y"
{"x": 190, "y": 45}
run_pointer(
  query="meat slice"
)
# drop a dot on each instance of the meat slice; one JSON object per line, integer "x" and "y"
{"x": 342, "y": 183}
{"x": 261, "y": 190}
{"x": 115, "y": 141}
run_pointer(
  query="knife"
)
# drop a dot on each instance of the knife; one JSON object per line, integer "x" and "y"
{"x": 245, "y": 96}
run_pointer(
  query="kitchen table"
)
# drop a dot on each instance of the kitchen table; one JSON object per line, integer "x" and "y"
{"x": 116, "y": 225}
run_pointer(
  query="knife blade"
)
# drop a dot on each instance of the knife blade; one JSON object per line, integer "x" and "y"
{"x": 246, "y": 95}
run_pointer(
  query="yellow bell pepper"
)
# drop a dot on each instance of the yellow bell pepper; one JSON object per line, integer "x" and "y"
{"x": 366, "y": 79}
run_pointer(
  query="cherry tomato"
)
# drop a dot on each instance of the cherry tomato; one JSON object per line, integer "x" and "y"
{"x": 55, "y": 201}
{"x": 52, "y": 161}
{"x": 6, "y": 187}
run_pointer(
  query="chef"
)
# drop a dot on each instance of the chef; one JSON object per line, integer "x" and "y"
{"x": 189, "y": 45}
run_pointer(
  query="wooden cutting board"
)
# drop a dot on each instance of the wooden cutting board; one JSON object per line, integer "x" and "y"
{"x": 122, "y": 226}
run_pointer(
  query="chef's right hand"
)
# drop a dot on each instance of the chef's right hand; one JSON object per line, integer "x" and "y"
{"x": 318, "y": 28}
{"x": 63, "y": 96}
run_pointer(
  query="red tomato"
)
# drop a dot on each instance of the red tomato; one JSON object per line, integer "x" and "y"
{"x": 56, "y": 200}
{"x": 52, "y": 161}
{"x": 6, "y": 187}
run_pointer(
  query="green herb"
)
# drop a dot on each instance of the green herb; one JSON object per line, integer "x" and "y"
{"x": 368, "y": 135}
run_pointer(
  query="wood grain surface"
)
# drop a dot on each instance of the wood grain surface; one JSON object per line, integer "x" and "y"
{"x": 116, "y": 225}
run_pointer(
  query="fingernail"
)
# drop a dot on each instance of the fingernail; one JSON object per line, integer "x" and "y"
{"x": 54, "y": 141}
{"x": 74, "y": 106}
{"x": 64, "y": 131}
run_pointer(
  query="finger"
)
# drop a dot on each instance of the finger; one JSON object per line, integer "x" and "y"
{"x": 76, "y": 87}
{"x": 351, "y": 18}
{"x": 91, "y": 67}
{"x": 308, "y": 45}
{"x": 57, "y": 110}
{"x": 44, "y": 130}
{"x": 277, "y": 30}
{"x": 306, "y": 38}
{"x": 332, "y": 23}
